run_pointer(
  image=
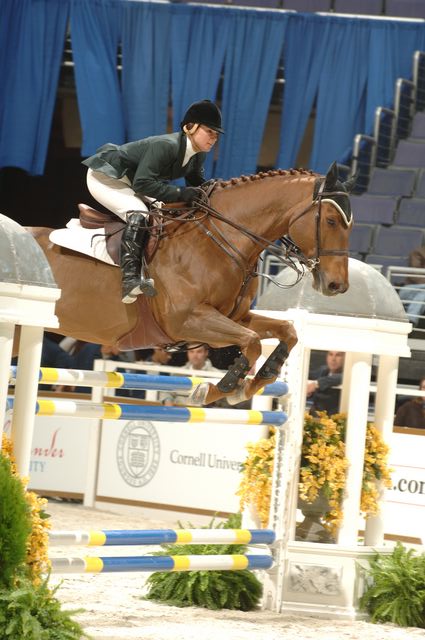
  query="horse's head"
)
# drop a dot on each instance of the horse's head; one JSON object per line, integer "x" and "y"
{"x": 321, "y": 230}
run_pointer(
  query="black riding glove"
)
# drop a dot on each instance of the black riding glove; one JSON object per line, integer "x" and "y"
{"x": 194, "y": 195}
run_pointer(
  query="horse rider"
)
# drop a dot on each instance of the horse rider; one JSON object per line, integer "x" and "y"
{"x": 120, "y": 175}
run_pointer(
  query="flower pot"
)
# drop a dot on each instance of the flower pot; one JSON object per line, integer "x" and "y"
{"x": 312, "y": 529}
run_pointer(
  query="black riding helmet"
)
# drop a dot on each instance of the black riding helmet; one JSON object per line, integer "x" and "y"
{"x": 204, "y": 112}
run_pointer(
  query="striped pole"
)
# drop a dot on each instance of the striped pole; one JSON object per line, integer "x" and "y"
{"x": 113, "y": 411}
{"x": 117, "y": 380}
{"x": 160, "y": 563}
{"x": 161, "y": 536}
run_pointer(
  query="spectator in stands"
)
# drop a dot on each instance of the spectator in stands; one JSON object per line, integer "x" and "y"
{"x": 322, "y": 389}
{"x": 412, "y": 413}
{"x": 412, "y": 294}
{"x": 197, "y": 358}
{"x": 158, "y": 356}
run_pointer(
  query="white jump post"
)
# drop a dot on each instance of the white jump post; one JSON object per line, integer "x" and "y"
{"x": 384, "y": 417}
{"x": 357, "y": 412}
{"x": 26, "y": 389}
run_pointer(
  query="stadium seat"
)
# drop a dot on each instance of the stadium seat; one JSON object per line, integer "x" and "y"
{"x": 359, "y": 7}
{"x": 383, "y": 262}
{"x": 307, "y": 5}
{"x": 361, "y": 239}
{"x": 374, "y": 209}
{"x": 418, "y": 126}
{"x": 392, "y": 182}
{"x": 410, "y": 153}
{"x": 405, "y": 8}
{"x": 411, "y": 212}
{"x": 259, "y": 4}
{"x": 396, "y": 241}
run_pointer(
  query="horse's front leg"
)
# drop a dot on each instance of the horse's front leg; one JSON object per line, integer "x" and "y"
{"x": 206, "y": 324}
{"x": 266, "y": 327}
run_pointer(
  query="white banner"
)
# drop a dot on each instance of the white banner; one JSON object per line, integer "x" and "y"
{"x": 405, "y": 503}
{"x": 192, "y": 466}
{"x": 59, "y": 454}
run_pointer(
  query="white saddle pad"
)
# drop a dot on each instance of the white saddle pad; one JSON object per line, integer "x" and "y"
{"x": 91, "y": 242}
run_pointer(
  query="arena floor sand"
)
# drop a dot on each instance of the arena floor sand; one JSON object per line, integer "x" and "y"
{"x": 114, "y": 608}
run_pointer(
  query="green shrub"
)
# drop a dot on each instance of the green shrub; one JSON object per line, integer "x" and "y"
{"x": 15, "y": 523}
{"x": 32, "y": 612}
{"x": 209, "y": 589}
{"x": 396, "y": 592}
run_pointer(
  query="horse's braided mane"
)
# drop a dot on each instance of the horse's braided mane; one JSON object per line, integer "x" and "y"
{"x": 265, "y": 174}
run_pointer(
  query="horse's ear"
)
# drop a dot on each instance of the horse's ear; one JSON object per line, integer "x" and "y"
{"x": 331, "y": 177}
{"x": 351, "y": 183}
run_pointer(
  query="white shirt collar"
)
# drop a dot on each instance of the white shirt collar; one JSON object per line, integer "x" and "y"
{"x": 189, "y": 151}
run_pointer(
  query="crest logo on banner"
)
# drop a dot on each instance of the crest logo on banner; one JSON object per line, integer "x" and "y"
{"x": 138, "y": 453}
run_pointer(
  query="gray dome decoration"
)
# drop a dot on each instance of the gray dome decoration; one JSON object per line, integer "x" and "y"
{"x": 21, "y": 259}
{"x": 370, "y": 295}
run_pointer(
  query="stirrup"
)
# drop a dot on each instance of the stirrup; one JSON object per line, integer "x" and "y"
{"x": 146, "y": 287}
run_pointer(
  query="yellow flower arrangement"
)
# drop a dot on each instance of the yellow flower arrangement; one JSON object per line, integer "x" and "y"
{"x": 37, "y": 552}
{"x": 323, "y": 469}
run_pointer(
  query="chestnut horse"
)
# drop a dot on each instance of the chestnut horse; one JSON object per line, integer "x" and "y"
{"x": 204, "y": 271}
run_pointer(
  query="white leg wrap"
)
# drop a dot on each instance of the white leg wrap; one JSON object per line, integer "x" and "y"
{"x": 198, "y": 395}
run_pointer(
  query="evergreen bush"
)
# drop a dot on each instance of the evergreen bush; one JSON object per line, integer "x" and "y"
{"x": 29, "y": 610}
{"x": 209, "y": 589}
{"x": 15, "y": 523}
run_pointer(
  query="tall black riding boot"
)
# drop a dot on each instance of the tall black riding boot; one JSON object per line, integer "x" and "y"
{"x": 133, "y": 243}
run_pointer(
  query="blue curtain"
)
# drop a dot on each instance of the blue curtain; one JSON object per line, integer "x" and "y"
{"x": 303, "y": 57}
{"x": 146, "y": 68}
{"x": 250, "y": 71}
{"x": 349, "y": 67}
{"x": 95, "y": 34}
{"x": 32, "y": 34}
{"x": 391, "y": 48}
{"x": 341, "y": 94}
{"x": 345, "y": 67}
{"x": 199, "y": 40}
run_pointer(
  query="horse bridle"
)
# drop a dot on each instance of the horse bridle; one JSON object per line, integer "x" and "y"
{"x": 322, "y": 195}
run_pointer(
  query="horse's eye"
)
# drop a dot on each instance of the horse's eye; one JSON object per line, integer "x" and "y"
{"x": 331, "y": 222}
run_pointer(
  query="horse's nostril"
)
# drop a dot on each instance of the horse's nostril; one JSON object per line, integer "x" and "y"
{"x": 337, "y": 287}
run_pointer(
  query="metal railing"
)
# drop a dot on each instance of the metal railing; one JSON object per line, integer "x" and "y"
{"x": 384, "y": 134}
{"x": 419, "y": 79}
{"x": 412, "y": 294}
{"x": 404, "y": 106}
{"x": 364, "y": 158}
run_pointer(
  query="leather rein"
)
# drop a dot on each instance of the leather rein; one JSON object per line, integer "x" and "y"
{"x": 289, "y": 254}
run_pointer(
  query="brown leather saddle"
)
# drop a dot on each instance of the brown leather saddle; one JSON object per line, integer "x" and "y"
{"x": 113, "y": 228}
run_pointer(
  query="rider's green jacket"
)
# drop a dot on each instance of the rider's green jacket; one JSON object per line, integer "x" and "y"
{"x": 150, "y": 164}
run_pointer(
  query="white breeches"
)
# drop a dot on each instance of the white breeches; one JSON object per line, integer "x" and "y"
{"x": 116, "y": 195}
